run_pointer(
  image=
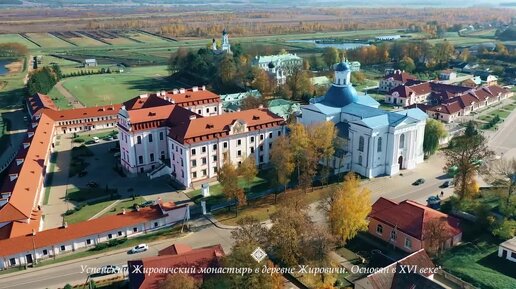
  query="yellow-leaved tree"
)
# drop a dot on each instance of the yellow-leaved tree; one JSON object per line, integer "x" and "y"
{"x": 348, "y": 209}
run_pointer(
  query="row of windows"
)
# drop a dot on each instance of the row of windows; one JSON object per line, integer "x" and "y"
{"x": 149, "y": 137}
{"x": 394, "y": 236}
{"x": 379, "y": 144}
{"x": 204, "y": 172}
{"x": 225, "y": 144}
{"x": 83, "y": 120}
{"x": 151, "y": 157}
{"x": 199, "y": 111}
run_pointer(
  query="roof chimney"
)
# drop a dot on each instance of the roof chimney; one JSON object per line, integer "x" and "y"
{"x": 175, "y": 91}
{"x": 65, "y": 225}
{"x": 260, "y": 106}
{"x": 193, "y": 116}
{"x": 123, "y": 211}
{"x": 137, "y": 207}
{"x": 204, "y": 87}
{"x": 195, "y": 88}
{"x": 182, "y": 90}
{"x": 145, "y": 95}
{"x": 33, "y": 232}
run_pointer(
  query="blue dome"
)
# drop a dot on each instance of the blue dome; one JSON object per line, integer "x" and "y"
{"x": 342, "y": 67}
{"x": 340, "y": 96}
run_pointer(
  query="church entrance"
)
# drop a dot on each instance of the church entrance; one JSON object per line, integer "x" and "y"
{"x": 400, "y": 162}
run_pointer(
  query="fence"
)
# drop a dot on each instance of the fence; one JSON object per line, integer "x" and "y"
{"x": 455, "y": 280}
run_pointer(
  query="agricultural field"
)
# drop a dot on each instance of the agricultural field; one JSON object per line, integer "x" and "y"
{"x": 16, "y": 38}
{"x": 145, "y": 38}
{"x": 47, "y": 40}
{"x": 101, "y": 89}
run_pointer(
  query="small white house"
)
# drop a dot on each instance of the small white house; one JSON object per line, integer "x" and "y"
{"x": 90, "y": 62}
{"x": 507, "y": 250}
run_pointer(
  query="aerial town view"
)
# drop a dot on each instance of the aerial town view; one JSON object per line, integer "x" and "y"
{"x": 270, "y": 144}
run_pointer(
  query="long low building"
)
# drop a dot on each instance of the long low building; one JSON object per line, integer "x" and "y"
{"x": 37, "y": 246}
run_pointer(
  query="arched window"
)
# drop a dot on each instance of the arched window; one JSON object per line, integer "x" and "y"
{"x": 139, "y": 139}
{"x": 402, "y": 141}
{"x": 379, "y": 229}
{"x": 379, "y": 148}
{"x": 393, "y": 235}
{"x": 361, "y": 144}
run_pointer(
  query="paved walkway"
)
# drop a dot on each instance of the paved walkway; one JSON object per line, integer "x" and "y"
{"x": 105, "y": 210}
{"x": 56, "y": 201}
{"x": 71, "y": 99}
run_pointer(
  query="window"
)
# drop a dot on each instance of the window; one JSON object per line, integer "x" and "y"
{"x": 239, "y": 142}
{"x": 279, "y": 132}
{"x": 110, "y": 236}
{"x": 225, "y": 145}
{"x": 88, "y": 241}
{"x": 379, "y": 229}
{"x": 135, "y": 230}
{"x": 155, "y": 224}
{"x": 239, "y": 153}
{"x": 45, "y": 252}
{"x": 194, "y": 163}
{"x": 261, "y": 159}
{"x": 193, "y": 152}
{"x": 150, "y": 137}
{"x": 194, "y": 175}
{"x": 360, "y": 160}
{"x": 252, "y": 139}
{"x": 408, "y": 243}
{"x": 160, "y": 135}
{"x": 270, "y": 135}
{"x": 270, "y": 145}
{"x": 151, "y": 157}
{"x": 214, "y": 158}
{"x": 252, "y": 150}
{"x": 214, "y": 146}
{"x": 203, "y": 161}
{"x": 215, "y": 169}
{"x": 261, "y": 148}
{"x": 379, "y": 148}
{"x": 207, "y": 110}
{"x": 261, "y": 137}
{"x": 138, "y": 139}
{"x": 199, "y": 111}
{"x": 361, "y": 144}
{"x": 393, "y": 235}
{"x": 140, "y": 160}
{"x": 63, "y": 248}
{"x": 203, "y": 149}
{"x": 204, "y": 172}
{"x": 12, "y": 261}
{"x": 402, "y": 141}
{"x": 119, "y": 233}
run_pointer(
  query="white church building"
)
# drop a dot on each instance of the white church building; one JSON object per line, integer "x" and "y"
{"x": 373, "y": 142}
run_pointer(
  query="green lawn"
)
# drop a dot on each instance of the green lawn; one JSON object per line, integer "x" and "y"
{"x": 88, "y": 136}
{"x": 147, "y": 38}
{"x": 101, "y": 89}
{"x": 59, "y": 99}
{"x": 84, "y": 194}
{"x": 89, "y": 211}
{"x": 51, "y": 172}
{"x": 12, "y": 91}
{"x": 479, "y": 264}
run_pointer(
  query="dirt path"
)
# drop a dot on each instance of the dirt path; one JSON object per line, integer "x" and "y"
{"x": 71, "y": 99}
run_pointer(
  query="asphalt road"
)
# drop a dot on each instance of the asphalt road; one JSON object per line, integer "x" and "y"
{"x": 503, "y": 141}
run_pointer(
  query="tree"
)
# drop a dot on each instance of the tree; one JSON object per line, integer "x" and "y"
{"x": 348, "y": 208}
{"x": 248, "y": 170}
{"x": 502, "y": 173}
{"x": 471, "y": 129}
{"x": 282, "y": 160}
{"x": 262, "y": 81}
{"x": 467, "y": 154}
{"x": 250, "y": 231}
{"x": 434, "y": 131}
{"x": 178, "y": 281}
{"x": 253, "y": 101}
{"x": 227, "y": 69}
{"x": 506, "y": 230}
{"x": 465, "y": 55}
{"x": 407, "y": 64}
{"x": 240, "y": 257}
{"x": 299, "y": 84}
{"x": 443, "y": 52}
{"x": 330, "y": 56}
{"x": 299, "y": 142}
{"x": 228, "y": 179}
{"x": 435, "y": 234}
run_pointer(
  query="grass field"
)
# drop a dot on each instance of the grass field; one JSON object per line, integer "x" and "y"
{"x": 119, "y": 41}
{"x": 59, "y": 99}
{"x": 100, "y": 89}
{"x": 47, "y": 40}
{"x": 12, "y": 90}
{"x": 6, "y": 38}
{"x": 85, "y": 41}
{"x": 89, "y": 211}
{"x": 479, "y": 264}
{"x": 147, "y": 38}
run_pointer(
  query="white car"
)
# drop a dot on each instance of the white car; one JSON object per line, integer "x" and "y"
{"x": 96, "y": 139}
{"x": 139, "y": 248}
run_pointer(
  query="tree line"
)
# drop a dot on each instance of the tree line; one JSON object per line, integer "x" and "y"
{"x": 13, "y": 50}
{"x": 42, "y": 80}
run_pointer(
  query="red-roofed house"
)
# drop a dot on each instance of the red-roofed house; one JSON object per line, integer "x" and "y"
{"x": 186, "y": 258}
{"x": 186, "y": 134}
{"x": 394, "y": 79}
{"x": 408, "y": 224}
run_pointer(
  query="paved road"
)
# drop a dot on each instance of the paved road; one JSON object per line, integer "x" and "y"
{"x": 503, "y": 141}
{"x": 56, "y": 276}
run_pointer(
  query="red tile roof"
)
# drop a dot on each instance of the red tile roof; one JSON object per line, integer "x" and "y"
{"x": 74, "y": 231}
{"x": 39, "y": 101}
{"x": 205, "y": 128}
{"x": 400, "y": 76}
{"x": 175, "y": 249}
{"x": 198, "y": 258}
{"x": 410, "y": 217}
{"x": 190, "y": 97}
{"x": 80, "y": 113}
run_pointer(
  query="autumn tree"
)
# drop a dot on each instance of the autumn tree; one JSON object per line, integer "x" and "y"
{"x": 467, "y": 153}
{"x": 248, "y": 170}
{"x": 253, "y": 101}
{"x": 348, "y": 208}
{"x": 435, "y": 235}
{"x": 250, "y": 231}
{"x": 298, "y": 83}
{"x": 228, "y": 179}
{"x": 443, "y": 52}
{"x": 502, "y": 174}
{"x": 465, "y": 55}
{"x": 330, "y": 56}
{"x": 178, "y": 281}
{"x": 240, "y": 257}
{"x": 262, "y": 81}
{"x": 227, "y": 69}
{"x": 322, "y": 138}
{"x": 282, "y": 160}
{"x": 407, "y": 64}
{"x": 299, "y": 142}
{"x": 434, "y": 131}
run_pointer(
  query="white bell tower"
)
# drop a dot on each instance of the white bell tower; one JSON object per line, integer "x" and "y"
{"x": 342, "y": 74}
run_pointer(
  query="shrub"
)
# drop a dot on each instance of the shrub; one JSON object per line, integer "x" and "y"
{"x": 78, "y": 140}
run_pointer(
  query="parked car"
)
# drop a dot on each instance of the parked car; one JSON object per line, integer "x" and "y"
{"x": 139, "y": 248}
{"x": 445, "y": 184}
{"x": 418, "y": 182}
{"x": 96, "y": 139}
